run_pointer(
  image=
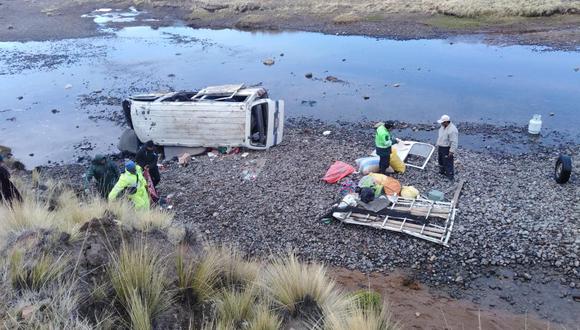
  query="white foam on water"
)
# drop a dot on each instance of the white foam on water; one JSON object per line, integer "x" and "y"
{"x": 104, "y": 16}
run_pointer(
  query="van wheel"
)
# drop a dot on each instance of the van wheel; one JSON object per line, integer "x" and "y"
{"x": 129, "y": 142}
{"x": 563, "y": 169}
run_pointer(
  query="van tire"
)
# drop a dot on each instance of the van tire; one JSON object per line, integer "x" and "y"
{"x": 563, "y": 169}
{"x": 129, "y": 142}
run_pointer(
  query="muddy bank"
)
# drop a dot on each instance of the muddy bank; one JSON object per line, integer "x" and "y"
{"x": 556, "y": 27}
{"x": 514, "y": 245}
{"x": 417, "y": 307}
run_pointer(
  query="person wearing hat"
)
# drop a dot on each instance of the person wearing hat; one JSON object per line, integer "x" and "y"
{"x": 8, "y": 192}
{"x": 147, "y": 158}
{"x": 383, "y": 143}
{"x": 133, "y": 184}
{"x": 447, "y": 142}
{"x": 105, "y": 172}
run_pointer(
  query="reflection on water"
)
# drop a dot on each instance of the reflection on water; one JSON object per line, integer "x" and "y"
{"x": 413, "y": 81}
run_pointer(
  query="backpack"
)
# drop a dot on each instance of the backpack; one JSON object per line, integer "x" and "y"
{"x": 367, "y": 195}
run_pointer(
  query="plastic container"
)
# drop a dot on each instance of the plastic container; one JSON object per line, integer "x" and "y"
{"x": 535, "y": 125}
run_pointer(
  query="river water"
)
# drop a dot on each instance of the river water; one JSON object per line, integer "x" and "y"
{"x": 60, "y": 96}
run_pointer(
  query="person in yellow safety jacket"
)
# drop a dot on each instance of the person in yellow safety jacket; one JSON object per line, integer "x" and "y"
{"x": 133, "y": 184}
{"x": 383, "y": 143}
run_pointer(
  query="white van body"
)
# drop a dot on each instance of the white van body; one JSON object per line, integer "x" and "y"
{"x": 217, "y": 116}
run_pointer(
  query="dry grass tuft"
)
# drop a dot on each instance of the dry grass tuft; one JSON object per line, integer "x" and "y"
{"x": 265, "y": 319}
{"x": 301, "y": 288}
{"x": 358, "y": 318}
{"x": 206, "y": 276}
{"x": 138, "y": 277}
{"x": 236, "y": 307}
{"x": 138, "y": 219}
{"x": 54, "y": 306}
{"x": 35, "y": 274}
{"x": 237, "y": 271}
{"x": 58, "y": 208}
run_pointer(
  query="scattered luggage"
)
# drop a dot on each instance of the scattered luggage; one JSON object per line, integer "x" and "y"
{"x": 368, "y": 165}
{"x": 390, "y": 185}
{"x": 367, "y": 195}
{"x": 395, "y": 162}
{"x": 422, "y": 218}
{"x": 409, "y": 192}
{"x": 436, "y": 195}
{"x": 368, "y": 181}
{"x": 337, "y": 171}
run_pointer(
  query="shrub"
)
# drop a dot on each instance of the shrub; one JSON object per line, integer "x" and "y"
{"x": 36, "y": 274}
{"x": 138, "y": 278}
{"x": 265, "y": 319}
{"x": 301, "y": 288}
{"x": 366, "y": 299}
{"x": 236, "y": 307}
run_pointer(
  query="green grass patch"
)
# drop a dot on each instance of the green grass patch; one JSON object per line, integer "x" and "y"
{"x": 374, "y": 18}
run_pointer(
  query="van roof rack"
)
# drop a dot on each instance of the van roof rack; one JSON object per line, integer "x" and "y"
{"x": 219, "y": 90}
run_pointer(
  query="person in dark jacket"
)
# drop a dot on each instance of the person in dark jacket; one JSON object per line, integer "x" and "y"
{"x": 105, "y": 172}
{"x": 8, "y": 192}
{"x": 147, "y": 158}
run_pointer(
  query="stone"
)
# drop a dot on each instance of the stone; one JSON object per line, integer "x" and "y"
{"x": 184, "y": 159}
{"x": 27, "y": 312}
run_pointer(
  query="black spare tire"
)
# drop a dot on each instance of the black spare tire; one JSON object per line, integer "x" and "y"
{"x": 563, "y": 169}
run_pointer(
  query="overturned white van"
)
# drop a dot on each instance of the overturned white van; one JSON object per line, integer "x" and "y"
{"x": 217, "y": 116}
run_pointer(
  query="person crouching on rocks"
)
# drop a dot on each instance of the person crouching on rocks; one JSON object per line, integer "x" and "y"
{"x": 105, "y": 173}
{"x": 447, "y": 143}
{"x": 8, "y": 192}
{"x": 383, "y": 143}
{"x": 133, "y": 185}
{"x": 147, "y": 158}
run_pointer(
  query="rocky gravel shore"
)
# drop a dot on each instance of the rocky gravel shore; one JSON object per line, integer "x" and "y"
{"x": 512, "y": 212}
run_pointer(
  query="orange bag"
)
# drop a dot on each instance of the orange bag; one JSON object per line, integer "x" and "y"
{"x": 390, "y": 185}
{"x": 337, "y": 171}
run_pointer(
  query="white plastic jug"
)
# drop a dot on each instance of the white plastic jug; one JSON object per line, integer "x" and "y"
{"x": 535, "y": 125}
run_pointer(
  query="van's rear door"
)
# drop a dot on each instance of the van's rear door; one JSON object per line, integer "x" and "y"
{"x": 266, "y": 124}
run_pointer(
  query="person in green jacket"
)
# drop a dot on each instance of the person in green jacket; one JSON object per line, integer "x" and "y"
{"x": 105, "y": 172}
{"x": 133, "y": 185}
{"x": 383, "y": 143}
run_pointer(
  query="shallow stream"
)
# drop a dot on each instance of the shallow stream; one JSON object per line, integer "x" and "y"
{"x": 60, "y": 97}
